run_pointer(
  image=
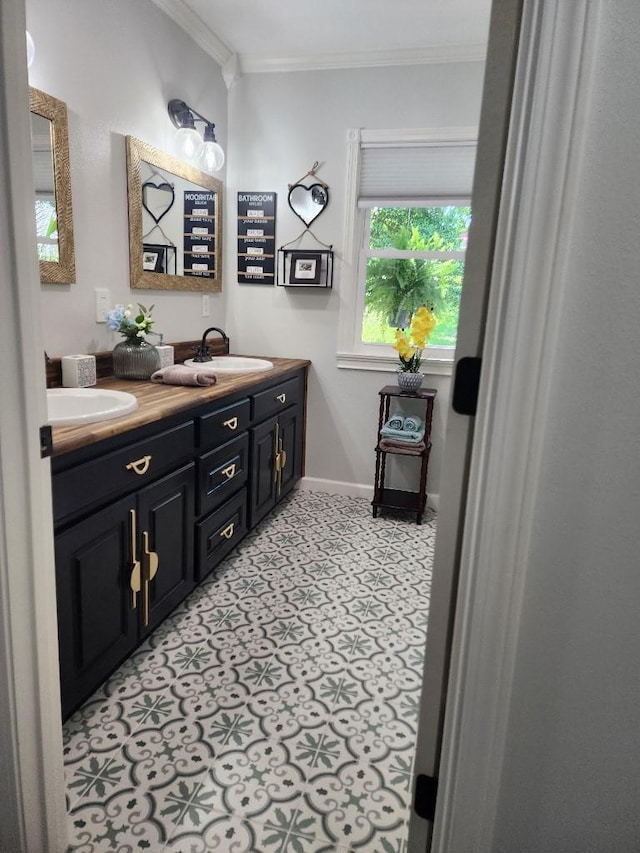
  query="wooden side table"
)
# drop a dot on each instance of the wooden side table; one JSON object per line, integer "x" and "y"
{"x": 399, "y": 498}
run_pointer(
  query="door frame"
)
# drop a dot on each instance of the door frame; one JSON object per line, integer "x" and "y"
{"x": 556, "y": 58}
{"x": 32, "y": 779}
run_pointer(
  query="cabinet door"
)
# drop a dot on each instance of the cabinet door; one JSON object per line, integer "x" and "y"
{"x": 290, "y": 431}
{"x": 263, "y": 482}
{"x": 165, "y": 529}
{"x": 97, "y": 627}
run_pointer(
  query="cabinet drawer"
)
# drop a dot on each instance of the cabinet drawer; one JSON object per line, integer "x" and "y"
{"x": 222, "y": 424}
{"x": 120, "y": 471}
{"x": 222, "y": 472}
{"x": 273, "y": 400}
{"x": 220, "y": 532}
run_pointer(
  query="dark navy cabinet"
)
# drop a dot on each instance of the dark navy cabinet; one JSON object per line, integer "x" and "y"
{"x": 143, "y": 517}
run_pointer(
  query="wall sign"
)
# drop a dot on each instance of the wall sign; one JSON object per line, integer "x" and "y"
{"x": 199, "y": 234}
{"x": 256, "y": 237}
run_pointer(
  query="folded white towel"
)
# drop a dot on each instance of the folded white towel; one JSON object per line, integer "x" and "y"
{"x": 178, "y": 374}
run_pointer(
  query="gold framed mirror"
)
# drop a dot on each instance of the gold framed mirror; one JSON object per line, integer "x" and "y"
{"x": 52, "y": 181}
{"x": 175, "y": 222}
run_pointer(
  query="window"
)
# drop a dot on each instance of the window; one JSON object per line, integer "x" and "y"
{"x": 47, "y": 229}
{"x": 408, "y": 217}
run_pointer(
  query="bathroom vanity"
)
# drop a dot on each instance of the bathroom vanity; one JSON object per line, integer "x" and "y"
{"x": 146, "y": 506}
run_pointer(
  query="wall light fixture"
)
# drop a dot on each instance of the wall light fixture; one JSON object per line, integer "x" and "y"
{"x": 191, "y": 144}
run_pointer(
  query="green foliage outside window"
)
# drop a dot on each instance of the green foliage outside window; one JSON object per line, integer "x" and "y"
{"x": 47, "y": 230}
{"x": 396, "y": 287}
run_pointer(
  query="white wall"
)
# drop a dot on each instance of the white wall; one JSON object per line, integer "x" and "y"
{"x": 279, "y": 125}
{"x": 116, "y": 64}
{"x": 571, "y": 780}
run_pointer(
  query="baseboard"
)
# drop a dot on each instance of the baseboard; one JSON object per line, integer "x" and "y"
{"x": 335, "y": 487}
{"x": 353, "y": 490}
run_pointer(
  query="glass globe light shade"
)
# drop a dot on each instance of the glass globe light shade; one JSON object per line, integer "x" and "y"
{"x": 31, "y": 49}
{"x": 189, "y": 142}
{"x": 213, "y": 157}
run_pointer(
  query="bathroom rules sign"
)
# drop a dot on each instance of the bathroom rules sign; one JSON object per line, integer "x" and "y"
{"x": 199, "y": 234}
{"x": 256, "y": 237}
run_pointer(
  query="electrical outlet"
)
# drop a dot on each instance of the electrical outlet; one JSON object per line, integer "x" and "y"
{"x": 205, "y": 305}
{"x": 103, "y": 301}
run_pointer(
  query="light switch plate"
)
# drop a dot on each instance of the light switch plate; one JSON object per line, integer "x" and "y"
{"x": 205, "y": 305}
{"x": 103, "y": 301}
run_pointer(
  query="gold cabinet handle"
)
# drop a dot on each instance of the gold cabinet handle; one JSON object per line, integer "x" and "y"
{"x": 140, "y": 466}
{"x": 149, "y": 570}
{"x": 282, "y": 458}
{"x": 228, "y": 531}
{"x": 230, "y": 471}
{"x": 134, "y": 580}
{"x": 276, "y": 457}
{"x": 231, "y": 423}
{"x": 282, "y": 398}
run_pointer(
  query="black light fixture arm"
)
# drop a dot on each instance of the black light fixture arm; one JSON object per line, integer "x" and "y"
{"x": 182, "y": 115}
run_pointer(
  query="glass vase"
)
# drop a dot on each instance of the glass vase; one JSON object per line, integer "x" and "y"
{"x": 409, "y": 381}
{"x": 135, "y": 359}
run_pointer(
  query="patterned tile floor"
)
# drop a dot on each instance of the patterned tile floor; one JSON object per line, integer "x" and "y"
{"x": 276, "y": 709}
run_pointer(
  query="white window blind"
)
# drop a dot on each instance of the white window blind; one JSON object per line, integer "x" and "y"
{"x": 420, "y": 173}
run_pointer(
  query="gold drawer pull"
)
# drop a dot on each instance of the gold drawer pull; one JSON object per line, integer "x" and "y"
{"x": 140, "y": 466}
{"x": 228, "y": 531}
{"x": 232, "y": 423}
{"x": 149, "y": 569}
{"x": 282, "y": 398}
{"x": 229, "y": 471}
{"x": 283, "y": 459}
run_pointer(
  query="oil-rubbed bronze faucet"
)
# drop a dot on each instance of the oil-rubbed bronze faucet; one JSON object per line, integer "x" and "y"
{"x": 203, "y": 353}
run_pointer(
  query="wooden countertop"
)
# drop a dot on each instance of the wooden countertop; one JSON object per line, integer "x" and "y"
{"x": 157, "y": 401}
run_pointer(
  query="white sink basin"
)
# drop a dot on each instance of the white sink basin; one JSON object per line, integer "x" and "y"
{"x": 68, "y": 406}
{"x": 230, "y": 364}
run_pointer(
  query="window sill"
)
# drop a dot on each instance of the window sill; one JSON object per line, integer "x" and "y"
{"x": 389, "y": 364}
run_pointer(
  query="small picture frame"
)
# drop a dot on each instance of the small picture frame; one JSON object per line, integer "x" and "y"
{"x": 153, "y": 258}
{"x": 305, "y": 268}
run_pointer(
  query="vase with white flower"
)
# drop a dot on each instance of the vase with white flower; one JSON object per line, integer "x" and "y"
{"x": 134, "y": 357}
{"x": 410, "y": 346}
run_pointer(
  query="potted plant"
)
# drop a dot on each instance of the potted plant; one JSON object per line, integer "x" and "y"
{"x": 410, "y": 346}
{"x": 134, "y": 357}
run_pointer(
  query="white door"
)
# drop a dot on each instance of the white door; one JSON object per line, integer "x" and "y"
{"x": 492, "y": 136}
{"x": 535, "y": 94}
{"x": 32, "y": 807}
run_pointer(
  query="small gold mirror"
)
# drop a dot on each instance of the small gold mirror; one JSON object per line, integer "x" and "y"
{"x": 175, "y": 222}
{"x": 52, "y": 180}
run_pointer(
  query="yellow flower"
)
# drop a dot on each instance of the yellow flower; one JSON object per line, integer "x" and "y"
{"x": 402, "y": 344}
{"x": 422, "y": 325}
{"x": 410, "y": 346}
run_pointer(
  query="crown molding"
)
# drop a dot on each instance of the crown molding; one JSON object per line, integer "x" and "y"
{"x": 195, "y": 27}
{"x": 434, "y": 54}
{"x": 204, "y": 37}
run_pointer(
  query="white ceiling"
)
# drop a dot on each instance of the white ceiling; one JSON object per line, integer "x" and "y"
{"x": 287, "y": 35}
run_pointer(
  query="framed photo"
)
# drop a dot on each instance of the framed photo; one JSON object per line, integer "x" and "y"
{"x": 305, "y": 268}
{"x": 154, "y": 258}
